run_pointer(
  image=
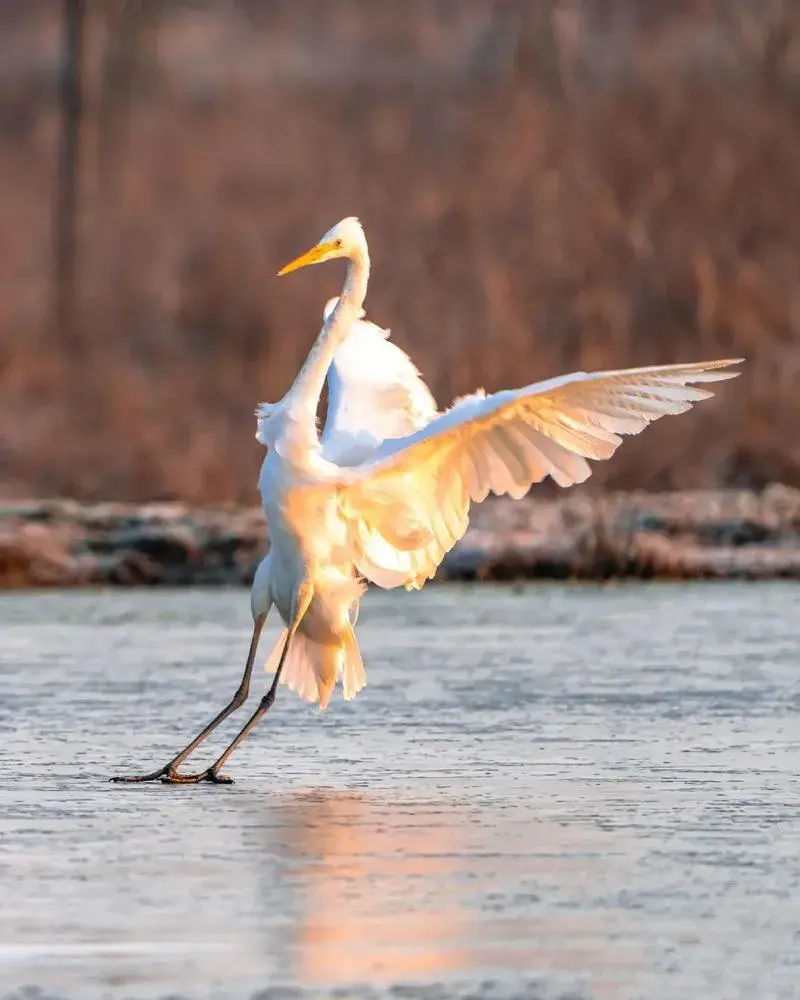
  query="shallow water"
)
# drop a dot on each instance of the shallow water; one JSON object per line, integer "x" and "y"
{"x": 544, "y": 792}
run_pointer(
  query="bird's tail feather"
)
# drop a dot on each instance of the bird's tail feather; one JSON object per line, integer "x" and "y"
{"x": 312, "y": 669}
{"x": 352, "y": 670}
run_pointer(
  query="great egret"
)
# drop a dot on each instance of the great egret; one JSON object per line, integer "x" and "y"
{"x": 384, "y": 492}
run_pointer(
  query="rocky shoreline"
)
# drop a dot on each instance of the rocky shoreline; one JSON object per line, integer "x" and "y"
{"x": 720, "y": 534}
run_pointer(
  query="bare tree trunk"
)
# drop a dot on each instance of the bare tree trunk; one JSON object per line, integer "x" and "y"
{"x": 66, "y": 215}
{"x": 129, "y": 23}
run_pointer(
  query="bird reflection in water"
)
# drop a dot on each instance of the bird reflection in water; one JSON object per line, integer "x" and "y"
{"x": 385, "y": 890}
{"x": 375, "y": 885}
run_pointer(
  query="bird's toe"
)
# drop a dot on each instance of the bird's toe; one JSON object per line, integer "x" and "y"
{"x": 218, "y": 779}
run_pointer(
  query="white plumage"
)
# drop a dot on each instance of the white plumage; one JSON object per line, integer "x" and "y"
{"x": 385, "y": 491}
{"x": 374, "y": 392}
{"x": 503, "y": 443}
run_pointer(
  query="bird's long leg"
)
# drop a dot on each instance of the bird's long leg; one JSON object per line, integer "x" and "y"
{"x": 302, "y": 600}
{"x": 170, "y": 770}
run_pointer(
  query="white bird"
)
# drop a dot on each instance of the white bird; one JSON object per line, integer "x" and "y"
{"x": 385, "y": 490}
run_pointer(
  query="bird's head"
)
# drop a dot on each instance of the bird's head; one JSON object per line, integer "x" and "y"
{"x": 346, "y": 239}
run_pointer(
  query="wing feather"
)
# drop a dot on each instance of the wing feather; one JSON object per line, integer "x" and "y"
{"x": 415, "y": 491}
{"x": 374, "y": 392}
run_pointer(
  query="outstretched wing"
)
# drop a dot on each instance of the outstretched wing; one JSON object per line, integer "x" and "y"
{"x": 415, "y": 492}
{"x": 374, "y": 392}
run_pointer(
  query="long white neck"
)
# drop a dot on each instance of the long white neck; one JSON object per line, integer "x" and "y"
{"x": 303, "y": 398}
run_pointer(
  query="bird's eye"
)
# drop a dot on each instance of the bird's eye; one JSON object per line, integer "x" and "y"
{"x": 338, "y": 244}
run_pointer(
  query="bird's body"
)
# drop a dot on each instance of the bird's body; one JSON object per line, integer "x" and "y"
{"x": 308, "y": 542}
{"x": 385, "y": 490}
{"x": 375, "y": 394}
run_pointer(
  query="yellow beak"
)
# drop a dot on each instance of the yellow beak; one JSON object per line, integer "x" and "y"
{"x": 312, "y": 256}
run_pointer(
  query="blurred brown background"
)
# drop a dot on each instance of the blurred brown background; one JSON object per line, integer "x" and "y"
{"x": 545, "y": 184}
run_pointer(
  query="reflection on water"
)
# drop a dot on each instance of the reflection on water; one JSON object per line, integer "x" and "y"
{"x": 376, "y": 888}
{"x": 387, "y": 890}
{"x": 546, "y": 793}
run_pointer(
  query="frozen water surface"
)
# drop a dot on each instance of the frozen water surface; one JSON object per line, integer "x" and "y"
{"x": 549, "y": 791}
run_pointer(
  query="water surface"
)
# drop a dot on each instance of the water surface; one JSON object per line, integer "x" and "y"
{"x": 543, "y": 792}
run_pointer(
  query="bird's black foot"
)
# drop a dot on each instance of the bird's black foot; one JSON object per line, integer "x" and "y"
{"x": 135, "y": 779}
{"x": 168, "y": 775}
{"x": 209, "y": 775}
